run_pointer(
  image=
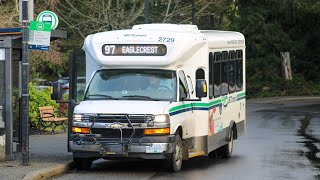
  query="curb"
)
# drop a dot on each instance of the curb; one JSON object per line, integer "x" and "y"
{"x": 283, "y": 98}
{"x": 49, "y": 172}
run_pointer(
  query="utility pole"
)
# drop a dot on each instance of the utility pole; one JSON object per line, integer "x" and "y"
{"x": 146, "y": 11}
{"x": 25, "y": 88}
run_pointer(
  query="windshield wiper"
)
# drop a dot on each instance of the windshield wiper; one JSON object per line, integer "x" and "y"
{"x": 141, "y": 97}
{"x": 101, "y": 95}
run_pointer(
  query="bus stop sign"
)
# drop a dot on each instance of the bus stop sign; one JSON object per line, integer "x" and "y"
{"x": 50, "y": 17}
{"x": 39, "y": 35}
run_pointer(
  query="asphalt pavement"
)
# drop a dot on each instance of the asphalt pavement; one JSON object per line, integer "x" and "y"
{"x": 49, "y": 155}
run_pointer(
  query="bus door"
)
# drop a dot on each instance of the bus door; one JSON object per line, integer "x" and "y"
{"x": 201, "y": 119}
{"x": 187, "y": 107}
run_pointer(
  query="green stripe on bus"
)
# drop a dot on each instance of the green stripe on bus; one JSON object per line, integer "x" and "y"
{"x": 241, "y": 94}
{"x": 184, "y": 106}
{"x": 180, "y": 107}
{"x": 214, "y": 102}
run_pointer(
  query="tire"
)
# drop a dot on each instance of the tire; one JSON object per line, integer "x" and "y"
{"x": 175, "y": 161}
{"x": 82, "y": 163}
{"x": 226, "y": 150}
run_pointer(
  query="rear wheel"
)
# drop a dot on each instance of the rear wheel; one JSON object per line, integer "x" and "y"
{"x": 175, "y": 160}
{"x": 82, "y": 163}
{"x": 226, "y": 150}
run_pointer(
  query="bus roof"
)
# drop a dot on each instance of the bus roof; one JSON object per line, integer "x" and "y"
{"x": 155, "y": 44}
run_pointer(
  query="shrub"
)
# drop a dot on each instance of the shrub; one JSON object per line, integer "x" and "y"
{"x": 38, "y": 98}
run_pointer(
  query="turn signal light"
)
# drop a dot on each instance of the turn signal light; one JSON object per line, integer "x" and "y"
{"x": 80, "y": 130}
{"x": 157, "y": 131}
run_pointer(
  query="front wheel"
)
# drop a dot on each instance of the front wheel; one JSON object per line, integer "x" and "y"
{"x": 175, "y": 160}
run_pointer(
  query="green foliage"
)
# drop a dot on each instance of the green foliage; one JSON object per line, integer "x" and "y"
{"x": 271, "y": 27}
{"x": 48, "y": 64}
{"x": 63, "y": 107}
{"x": 38, "y": 99}
{"x": 279, "y": 87}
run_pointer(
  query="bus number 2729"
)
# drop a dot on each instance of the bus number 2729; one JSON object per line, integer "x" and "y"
{"x": 166, "y": 39}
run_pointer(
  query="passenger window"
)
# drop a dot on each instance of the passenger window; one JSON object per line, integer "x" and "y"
{"x": 200, "y": 74}
{"x": 239, "y": 71}
{"x": 225, "y": 73}
{"x": 232, "y": 60}
{"x": 217, "y": 74}
{"x": 211, "y": 70}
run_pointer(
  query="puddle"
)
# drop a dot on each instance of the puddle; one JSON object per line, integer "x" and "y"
{"x": 313, "y": 154}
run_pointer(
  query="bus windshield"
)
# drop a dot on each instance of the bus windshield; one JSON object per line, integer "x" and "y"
{"x": 132, "y": 84}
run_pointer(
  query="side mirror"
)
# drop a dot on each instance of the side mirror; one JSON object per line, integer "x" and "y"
{"x": 56, "y": 91}
{"x": 201, "y": 88}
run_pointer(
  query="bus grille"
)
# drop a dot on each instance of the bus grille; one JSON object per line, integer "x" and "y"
{"x": 122, "y": 118}
{"x": 116, "y": 133}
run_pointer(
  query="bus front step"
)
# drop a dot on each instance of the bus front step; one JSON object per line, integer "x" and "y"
{"x": 193, "y": 154}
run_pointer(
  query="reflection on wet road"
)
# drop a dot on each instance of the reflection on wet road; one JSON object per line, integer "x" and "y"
{"x": 282, "y": 142}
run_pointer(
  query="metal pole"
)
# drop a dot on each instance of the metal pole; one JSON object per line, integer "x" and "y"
{"x": 72, "y": 84}
{"x": 146, "y": 11}
{"x": 8, "y": 99}
{"x": 193, "y": 13}
{"x": 25, "y": 88}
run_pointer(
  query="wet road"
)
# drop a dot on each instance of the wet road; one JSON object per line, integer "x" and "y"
{"x": 282, "y": 142}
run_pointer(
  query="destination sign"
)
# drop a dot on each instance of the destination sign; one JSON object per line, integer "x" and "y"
{"x": 134, "y": 50}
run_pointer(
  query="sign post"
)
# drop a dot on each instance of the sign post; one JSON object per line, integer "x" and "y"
{"x": 25, "y": 87}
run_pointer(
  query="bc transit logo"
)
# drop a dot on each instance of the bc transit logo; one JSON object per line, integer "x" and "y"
{"x": 224, "y": 101}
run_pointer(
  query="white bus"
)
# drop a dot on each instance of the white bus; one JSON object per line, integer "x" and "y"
{"x": 160, "y": 91}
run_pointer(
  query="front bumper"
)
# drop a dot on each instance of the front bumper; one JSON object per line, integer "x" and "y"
{"x": 136, "y": 148}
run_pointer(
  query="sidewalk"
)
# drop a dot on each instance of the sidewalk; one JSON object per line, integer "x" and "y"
{"x": 48, "y": 156}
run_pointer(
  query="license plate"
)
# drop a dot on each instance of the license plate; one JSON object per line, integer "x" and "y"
{"x": 111, "y": 149}
{"x": 156, "y": 148}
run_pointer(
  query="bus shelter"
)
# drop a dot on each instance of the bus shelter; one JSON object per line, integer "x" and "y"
{"x": 10, "y": 87}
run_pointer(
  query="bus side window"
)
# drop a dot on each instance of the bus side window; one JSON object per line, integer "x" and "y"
{"x": 224, "y": 73}
{"x": 183, "y": 86}
{"x": 239, "y": 70}
{"x": 200, "y": 74}
{"x": 217, "y": 74}
{"x": 211, "y": 71}
{"x": 232, "y": 60}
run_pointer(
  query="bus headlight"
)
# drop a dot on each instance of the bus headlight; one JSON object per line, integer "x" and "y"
{"x": 78, "y": 117}
{"x": 81, "y": 117}
{"x": 162, "y": 118}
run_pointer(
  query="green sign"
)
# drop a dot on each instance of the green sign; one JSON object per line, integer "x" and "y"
{"x": 39, "y": 26}
{"x": 39, "y": 35}
{"x": 50, "y": 17}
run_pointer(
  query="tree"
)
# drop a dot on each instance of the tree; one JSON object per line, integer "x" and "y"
{"x": 271, "y": 27}
{"x": 9, "y": 14}
{"x": 82, "y": 18}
